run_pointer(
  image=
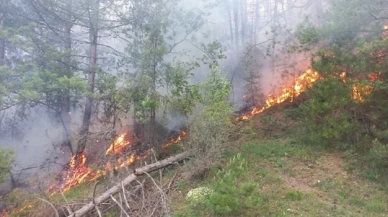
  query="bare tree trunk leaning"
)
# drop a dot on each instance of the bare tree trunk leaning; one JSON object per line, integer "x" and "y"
{"x": 236, "y": 16}
{"x": 68, "y": 51}
{"x": 118, "y": 187}
{"x": 230, "y": 12}
{"x": 94, "y": 18}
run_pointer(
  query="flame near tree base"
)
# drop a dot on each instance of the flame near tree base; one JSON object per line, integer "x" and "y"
{"x": 301, "y": 83}
{"x": 306, "y": 80}
{"x": 78, "y": 172}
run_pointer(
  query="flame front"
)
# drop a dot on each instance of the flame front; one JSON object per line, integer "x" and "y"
{"x": 118, "y": 145}
{"x": 174, "y": 141}
{"x": 301, "y": 84}
{"x": 78, "y": 172}
{"x": 307, "y": 80}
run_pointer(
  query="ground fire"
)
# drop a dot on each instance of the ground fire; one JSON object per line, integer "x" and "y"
{"x": 300, "y": 85}
{"x": 78, "y": 172}
{"x": 305, "y": 81}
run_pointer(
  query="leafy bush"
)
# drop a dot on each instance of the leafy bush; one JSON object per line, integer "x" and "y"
{"x": 377, "y": 160}
{"x": 6, "y": 159}
{"x": 328, "y": 119}
{"x": 232, "y": 194}
{"x": 270, "y": 126}
{"x": 211, "y": 128}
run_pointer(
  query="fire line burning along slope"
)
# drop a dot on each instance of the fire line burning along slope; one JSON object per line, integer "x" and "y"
{"x": 79, "y": 172}
{"x": 305, "y": 81}
{"x": 301, "y": 84}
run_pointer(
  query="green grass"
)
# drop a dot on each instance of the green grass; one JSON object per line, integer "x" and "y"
{"x": 294, "y": 195}
{"x": 288, "y": 174}
{"x": 274, "y": 150}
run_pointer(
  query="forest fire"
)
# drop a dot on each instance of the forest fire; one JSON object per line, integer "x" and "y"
{"x": 360, "y": 91}
{"x": 118, "y": 145}
{"x": 306, "y": 80}
{"x": 174, "y": 141}
{"x": 78, "y": 172}
{"x": 3, "y": 213}
{"x": 301, "y": 84}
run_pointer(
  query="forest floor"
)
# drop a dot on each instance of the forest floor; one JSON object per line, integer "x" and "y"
{"x": 301, "y": 181}
{"x": 293, "y": 179}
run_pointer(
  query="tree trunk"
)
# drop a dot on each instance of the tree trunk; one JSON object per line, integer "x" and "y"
{"x": 2, "y": 52}
{"x": 2, "y": 43}
{"x": 257, "y": 21}
{"x": 244, "y": 20}
{"x": 276, "y": 10}
{"x": 318, "y": 5}
{"x": 152, "y": 132}
{"x": 268, "y": 10}
{"x": 230, "y": 12}
{"x": 68, "y": 51}
{"x": 235, "y": 16}
{"x": 93, "y": 31}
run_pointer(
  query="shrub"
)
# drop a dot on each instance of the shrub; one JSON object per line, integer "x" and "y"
{"x": 377, "y": 159}
{"x": 211, "y": 128}
{"x": 198, "y": 194}
{"x": 232, "y": 194}
{"x": 6, "y": 160}
{"x": 328, "y": 118}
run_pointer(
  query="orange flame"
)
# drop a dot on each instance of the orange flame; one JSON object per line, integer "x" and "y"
{"x": 385, "y": 32}
{"x": 79, "y": 173}
{"x": 174, "y": 141}
{"x": 3, "y": 213}
{"x": 118, "y": 145}
{"x": 360, "y": 91}
{"x": 301, "y": 84}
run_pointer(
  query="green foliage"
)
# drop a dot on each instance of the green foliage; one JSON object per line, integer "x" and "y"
{"x": 377, "y": 161}
{"x": 334, "y": 116}
{"x": 211, "y": 128}
{"x": 162, "y": 70}
{"x": 327, "y": 115}
{"x": 233, "y": 194}
{"x": 347, "y": 19}
{"x": 51, "y": 87}
{"x": 307, "y": 34}
{"x": 270, "y": 125}
{"x": 6, "y": 160}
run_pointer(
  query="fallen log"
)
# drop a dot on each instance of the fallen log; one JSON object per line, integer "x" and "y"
{"x": 116, "y": 189}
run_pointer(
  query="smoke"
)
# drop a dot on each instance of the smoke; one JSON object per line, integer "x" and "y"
{"x": 263, "y": 52}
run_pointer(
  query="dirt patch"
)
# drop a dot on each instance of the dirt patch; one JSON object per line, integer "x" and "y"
{"x": 305, "y": 175}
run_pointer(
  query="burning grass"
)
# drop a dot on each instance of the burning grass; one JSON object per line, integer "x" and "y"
{"x": 79, "y": 172}
{"x": 301, "y": 83}
{"x": 305, "y": 81}
{"x": 73, "y": 179}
